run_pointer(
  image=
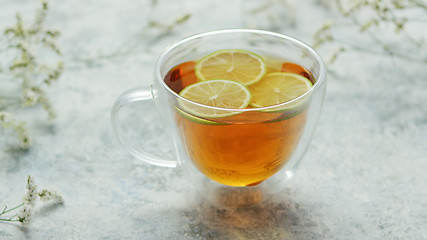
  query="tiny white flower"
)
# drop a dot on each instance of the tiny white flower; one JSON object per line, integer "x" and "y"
{"x": 30, "y": 182}
{"x": 25, "y": 214}
{"x": 31, "y": 195}
{"x": 6, "y": 119}
{"x": 29, "y": 97}
{"x": 46, "y": 195}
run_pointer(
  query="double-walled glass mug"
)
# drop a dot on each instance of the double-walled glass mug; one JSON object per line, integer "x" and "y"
{"x": 240, "y": 156}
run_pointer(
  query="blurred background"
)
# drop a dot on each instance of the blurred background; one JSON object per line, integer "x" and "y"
{"x": 362, "y": 177}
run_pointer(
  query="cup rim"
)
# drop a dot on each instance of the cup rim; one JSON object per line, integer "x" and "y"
{"x": 316, "y": 85}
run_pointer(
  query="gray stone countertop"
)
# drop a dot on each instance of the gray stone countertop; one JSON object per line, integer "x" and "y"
{"x": 363, "y": 177}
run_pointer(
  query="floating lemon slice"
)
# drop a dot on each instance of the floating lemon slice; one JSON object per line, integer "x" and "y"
{"x": 215, "y": 93}
{"x": 237, "y": 65}
{"x": 279, "y": 87}
{"x": 197, "y": 119}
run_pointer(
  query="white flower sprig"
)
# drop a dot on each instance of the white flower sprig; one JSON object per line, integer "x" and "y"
{"x": 149, "y": 34}
{"x": 370, "y": 17}
{"x": 30, "y": 61}
{"x": 8, "y": 121}
{"x": 26, "y": 209}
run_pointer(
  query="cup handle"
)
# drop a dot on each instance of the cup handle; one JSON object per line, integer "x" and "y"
{"x": 133, "y": 95}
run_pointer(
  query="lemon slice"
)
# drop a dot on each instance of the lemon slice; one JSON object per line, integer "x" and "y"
{"x": 237, "y": 65}
{"x": 216, "y": 93}
{"x": 279, "y": 87}
{"x": 197, "y": 119}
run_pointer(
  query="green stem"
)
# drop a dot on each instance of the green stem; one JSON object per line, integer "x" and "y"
{"x": 6, "y": 211}
{"x": 9, "y": 219}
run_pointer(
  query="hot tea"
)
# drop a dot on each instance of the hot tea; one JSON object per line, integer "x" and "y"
{"x": 240, "y": 148}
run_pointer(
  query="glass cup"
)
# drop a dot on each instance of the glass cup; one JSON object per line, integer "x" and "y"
{"x": 245, "y": 158}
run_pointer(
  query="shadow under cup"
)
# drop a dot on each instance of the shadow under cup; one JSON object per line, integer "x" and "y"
{"x": 242, "y": 159}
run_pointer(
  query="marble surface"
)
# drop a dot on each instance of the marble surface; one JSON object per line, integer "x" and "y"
{"x": 363, "y": 176}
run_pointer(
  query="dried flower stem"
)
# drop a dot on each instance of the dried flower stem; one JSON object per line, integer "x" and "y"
{"x": 26, "y": 208}
{"x": 7, "y": 121}
{"x": 25, "y": 69}
{"x": 384, "y": 13}
{"x": 130, "y": 46}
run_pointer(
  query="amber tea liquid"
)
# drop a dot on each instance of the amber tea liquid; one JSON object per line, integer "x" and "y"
{"x": 244, "y": 149}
